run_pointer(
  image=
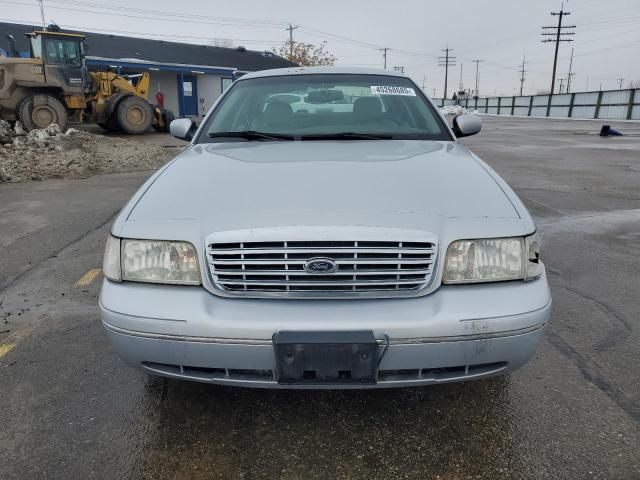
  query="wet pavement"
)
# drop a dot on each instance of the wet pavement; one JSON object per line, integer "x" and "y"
{"x": 69, "y": 408}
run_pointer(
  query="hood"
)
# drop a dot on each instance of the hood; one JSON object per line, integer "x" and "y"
{"x": 395, "y": 183}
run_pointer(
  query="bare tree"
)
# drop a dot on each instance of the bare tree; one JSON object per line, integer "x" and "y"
{"x": 306, "y": 54}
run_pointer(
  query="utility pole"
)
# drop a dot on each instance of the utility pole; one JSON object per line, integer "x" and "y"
{"x": 399, "y": 68}
{"x": 461, "y": 84}
{"x": 44, "y": 23}
{"x": 446, "y": 61}
{"x": 424, "y": 79}
{"x": 557, "y": 32}
{"x": 621, "y": 80}
{"x": 291, "y": 28}
{"x": 561, "y": 82}
{"x": 477, "y": 62}
{"x": 569, "y": 75}
{"x": 434, "y": 93}
{"x": 522, "y": 72}
{"x": 384, "y": 54}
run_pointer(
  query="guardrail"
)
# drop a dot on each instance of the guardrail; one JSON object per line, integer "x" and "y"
{"x": 609, "y": 104}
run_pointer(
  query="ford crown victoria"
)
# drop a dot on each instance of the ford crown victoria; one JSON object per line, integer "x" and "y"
{"x": 325, "y": 229}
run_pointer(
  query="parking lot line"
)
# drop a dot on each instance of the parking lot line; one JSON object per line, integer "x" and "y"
{"x": 6, "y": 348}
{"x": 88, "y": 277}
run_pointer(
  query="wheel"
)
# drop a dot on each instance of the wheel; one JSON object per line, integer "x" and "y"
{"x": 40, "y": 111}
{"x": 163, "y": 119}
{"x": 111, "y": 124}
{"x": 168, "y": 118}
{"x": 135, "y": 115}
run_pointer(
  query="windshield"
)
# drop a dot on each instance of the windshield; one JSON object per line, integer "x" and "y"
{"x": 305, "y": 107}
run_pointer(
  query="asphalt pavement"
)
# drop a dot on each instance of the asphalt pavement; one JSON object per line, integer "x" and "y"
{"x": 70, "y": 409}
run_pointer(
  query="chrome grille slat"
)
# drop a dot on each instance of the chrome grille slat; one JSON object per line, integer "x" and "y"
{"x": 277, "y": 261}
{"x": 324, "y": 251}
{"x": 277, "y": 267}
{"x": 312, "y": 283}
{"x": 391, "y": 273}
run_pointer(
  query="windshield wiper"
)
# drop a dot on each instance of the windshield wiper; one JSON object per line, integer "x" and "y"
{"x": 348, "y": 136}
{"x": 251, "y": 135}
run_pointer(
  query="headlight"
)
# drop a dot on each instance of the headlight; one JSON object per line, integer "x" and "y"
{"x": 153, "y": 261}
{"x": 492, "y": 260}
{"x": 159, "y": 262}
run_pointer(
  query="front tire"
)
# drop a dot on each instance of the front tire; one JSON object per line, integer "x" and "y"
{"x": 40, "y": 111}
{"x": 111, "y": 124}
{"x": 134, "y": 115}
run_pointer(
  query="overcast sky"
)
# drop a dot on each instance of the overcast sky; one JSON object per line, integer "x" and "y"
{"x": 500, "y": 32}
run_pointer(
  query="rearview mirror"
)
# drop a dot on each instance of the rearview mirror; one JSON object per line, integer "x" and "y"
{"x": 183, "y": 128}
{"x": 465, "y": 125}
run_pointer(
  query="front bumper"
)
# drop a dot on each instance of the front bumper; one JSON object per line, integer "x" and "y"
{"x": 456, "y": 333}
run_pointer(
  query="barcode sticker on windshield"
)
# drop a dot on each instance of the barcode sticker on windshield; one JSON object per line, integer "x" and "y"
{"x": 382, "y": 90}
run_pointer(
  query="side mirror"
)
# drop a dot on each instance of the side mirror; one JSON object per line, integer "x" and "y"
{"x": 465, "y": 125}
{"x": 182, "y": 128}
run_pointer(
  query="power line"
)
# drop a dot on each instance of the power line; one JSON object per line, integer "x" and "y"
{"x": 153, "y": 36}
{"x": 446, "y": 61}
{"x": 129, "y": 9}
{"x": 558, "y": 32}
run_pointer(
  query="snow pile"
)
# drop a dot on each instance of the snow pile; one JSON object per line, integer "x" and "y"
{"x": 49, "y": 153}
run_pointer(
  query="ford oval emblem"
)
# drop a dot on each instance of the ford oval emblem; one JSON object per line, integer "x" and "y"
{"x": 320, "y": 265}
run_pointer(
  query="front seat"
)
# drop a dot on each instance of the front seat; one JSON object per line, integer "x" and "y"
{"x": 277, "y": 115}
{"x": 367, "y": 109}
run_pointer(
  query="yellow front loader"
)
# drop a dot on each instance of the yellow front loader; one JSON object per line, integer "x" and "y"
{"x": 54, "y": 86}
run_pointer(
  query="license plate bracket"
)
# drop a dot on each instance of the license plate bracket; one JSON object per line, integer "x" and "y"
{"x": 349, "y": 357}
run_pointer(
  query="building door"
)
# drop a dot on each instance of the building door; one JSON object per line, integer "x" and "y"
{"x": 188, "y": 94}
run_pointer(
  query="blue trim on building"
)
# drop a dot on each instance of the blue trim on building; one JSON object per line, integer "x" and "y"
{"x": 225, "y": 72}
{"x": 180, "y": 95}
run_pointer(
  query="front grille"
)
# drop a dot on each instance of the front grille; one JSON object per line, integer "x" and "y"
{"x": 360, "y": 266}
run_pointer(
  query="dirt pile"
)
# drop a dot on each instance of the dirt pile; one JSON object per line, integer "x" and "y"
{"x": 49, "y": 153}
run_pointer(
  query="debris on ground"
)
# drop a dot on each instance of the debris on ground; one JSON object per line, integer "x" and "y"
{"x": 50, "y": 153}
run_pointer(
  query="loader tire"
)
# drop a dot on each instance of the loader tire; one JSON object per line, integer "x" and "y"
{"x": 135, "y": 115}
{"x": 163, "y": 119}
{"x": 40, "y": 111}
{"x": 110, "y": 125}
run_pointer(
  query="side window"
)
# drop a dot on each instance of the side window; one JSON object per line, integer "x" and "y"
{"x": 62, "y": 51}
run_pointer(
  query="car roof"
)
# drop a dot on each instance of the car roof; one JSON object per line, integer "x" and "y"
{"x": 278, "y": 72}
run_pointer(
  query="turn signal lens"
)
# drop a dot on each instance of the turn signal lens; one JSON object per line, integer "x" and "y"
{"x": 534, "y": 264}
{"x": 111, "y": 261}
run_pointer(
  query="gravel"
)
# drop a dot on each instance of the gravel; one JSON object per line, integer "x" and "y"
{"x": 49, "y": 153}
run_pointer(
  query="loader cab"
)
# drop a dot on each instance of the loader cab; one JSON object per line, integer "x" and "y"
{"x": 63, "y": 58}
